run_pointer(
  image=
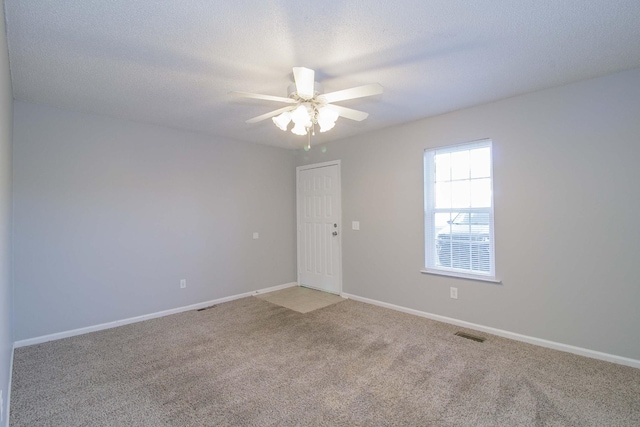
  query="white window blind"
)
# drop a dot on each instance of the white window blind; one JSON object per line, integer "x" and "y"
{"x": 459, "y": 210}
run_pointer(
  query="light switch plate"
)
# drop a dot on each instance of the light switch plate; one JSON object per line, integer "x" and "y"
{"x": 355, "y": 225}
{"x": 256, "y": 235}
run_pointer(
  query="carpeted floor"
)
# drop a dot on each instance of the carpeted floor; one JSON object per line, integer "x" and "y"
{"x": 250, "y": 362}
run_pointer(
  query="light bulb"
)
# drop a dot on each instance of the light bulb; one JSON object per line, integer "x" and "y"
{"x": 283, "y": 120}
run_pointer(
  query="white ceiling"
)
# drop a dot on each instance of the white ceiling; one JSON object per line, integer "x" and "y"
{"x": 174, "y": 62}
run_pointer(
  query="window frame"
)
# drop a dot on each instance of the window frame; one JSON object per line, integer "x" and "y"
{"x": 430, "y": 210}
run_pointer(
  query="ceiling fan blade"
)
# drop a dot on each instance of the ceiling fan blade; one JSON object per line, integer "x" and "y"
{"x": 354, "y": 92}
{"x": 270, "y": 114}
{"x": 349, "y": 113}
{"x": 265, "y": 97}
{"x": 304, "y": 78}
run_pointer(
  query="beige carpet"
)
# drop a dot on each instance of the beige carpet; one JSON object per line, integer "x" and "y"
{"x": 250, "y": 362}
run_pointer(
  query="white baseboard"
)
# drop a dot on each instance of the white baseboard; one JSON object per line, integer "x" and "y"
{"x": 274, "y": 288}
{"x": 116, "y": 323}
{"x": 8, "y": 398}
{"x": 506, "y": 334}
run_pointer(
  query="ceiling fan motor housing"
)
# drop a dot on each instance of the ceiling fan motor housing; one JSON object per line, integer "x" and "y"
{"x": 292, "y": 91}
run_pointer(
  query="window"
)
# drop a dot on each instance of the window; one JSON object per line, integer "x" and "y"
{"x": 458, "y": 204}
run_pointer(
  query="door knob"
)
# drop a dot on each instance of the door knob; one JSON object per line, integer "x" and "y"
{"x": 335, "y": 233}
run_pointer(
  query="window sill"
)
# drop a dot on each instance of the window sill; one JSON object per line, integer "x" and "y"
{"x": 461, "y": 275}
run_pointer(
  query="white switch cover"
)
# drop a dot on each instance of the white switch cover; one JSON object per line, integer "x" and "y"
{"x": 183, "y": 283}
{"x": 256, "y": 235}
{"x": 453, "y": 292}
{"x": 355, "y": 225}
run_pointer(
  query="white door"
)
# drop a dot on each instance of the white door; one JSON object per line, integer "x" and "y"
{"x": 319, "y": 227}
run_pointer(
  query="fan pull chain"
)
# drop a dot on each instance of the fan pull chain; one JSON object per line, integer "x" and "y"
{"x": 308, "y": 146}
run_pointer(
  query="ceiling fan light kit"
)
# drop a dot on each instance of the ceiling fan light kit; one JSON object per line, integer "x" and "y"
{"x": 327, "y": 118}
{"x": 308, "y": 106}
{"x": 283, "y": 120}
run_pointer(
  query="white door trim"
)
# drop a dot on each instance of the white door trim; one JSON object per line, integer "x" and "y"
{"x": 315, "y": 166}
{"x": 319, "y": 165}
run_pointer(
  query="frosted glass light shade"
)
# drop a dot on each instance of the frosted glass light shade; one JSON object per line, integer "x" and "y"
{"x": 325, "y": 126}
{"x": 327, "y": 118}
{"x": 301, "y": 116}
{"x": 305, "y": 115}
{"x": 299, "y": 129}
{"x": 283, "y": 120}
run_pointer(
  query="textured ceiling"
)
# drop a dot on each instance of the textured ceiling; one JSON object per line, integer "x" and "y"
{"x": 174, "y": 62}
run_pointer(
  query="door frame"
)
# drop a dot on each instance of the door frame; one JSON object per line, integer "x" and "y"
{"x": 340, "y": 229}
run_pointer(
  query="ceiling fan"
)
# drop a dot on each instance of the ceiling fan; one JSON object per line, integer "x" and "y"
{"x": 307, "y": 106}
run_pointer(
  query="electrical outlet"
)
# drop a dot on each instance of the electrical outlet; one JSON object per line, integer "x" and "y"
{"x": 256, "y": 235}
{"x": 453, "y": 292}
{"x": 183, "y": 283}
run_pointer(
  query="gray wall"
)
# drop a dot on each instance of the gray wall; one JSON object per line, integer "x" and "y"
{"x": 111, "y": 214}
{"x": 567, "y": 208}
{"x": 6, "y": 306}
